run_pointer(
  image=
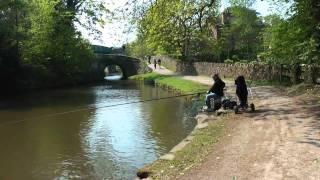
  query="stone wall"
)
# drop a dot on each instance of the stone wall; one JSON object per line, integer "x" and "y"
{"x": 294, "y": 73}
{"x": 250, "y": 71}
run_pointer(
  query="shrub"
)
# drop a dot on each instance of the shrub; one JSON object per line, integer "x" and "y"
{"x": 243, "y": 61}
{"x": 235, "y": 57}
{"x": 228, "y": 61}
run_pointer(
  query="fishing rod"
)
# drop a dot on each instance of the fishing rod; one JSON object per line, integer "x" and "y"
{"x": 89, "y": 107}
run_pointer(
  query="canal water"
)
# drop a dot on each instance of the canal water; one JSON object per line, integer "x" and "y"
{"x": 37, "y": 141}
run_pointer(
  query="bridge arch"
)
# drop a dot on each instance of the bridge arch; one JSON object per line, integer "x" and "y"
{"x": 129, "y": 65}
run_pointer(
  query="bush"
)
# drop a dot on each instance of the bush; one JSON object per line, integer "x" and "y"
{"x": 243, "y": 61}
{"x": 228, "y": 61}
{"x": 235, "y": 57}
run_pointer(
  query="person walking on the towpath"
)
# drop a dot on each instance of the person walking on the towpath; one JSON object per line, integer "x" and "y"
{"x": 216, "y": 91}
{"x": 159, "y": 63}
{"x": 149, "y": 59}
{"x": 155, "y": 63}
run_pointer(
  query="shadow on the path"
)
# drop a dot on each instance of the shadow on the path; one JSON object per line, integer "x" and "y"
{"x": 296, "y": 111}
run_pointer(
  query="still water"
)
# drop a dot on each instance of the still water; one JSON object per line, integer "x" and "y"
{"x": 95, "y": 143}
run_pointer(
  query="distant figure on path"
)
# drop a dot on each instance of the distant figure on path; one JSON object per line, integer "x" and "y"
{"x": 159, "y": 63}
{"x": 155, "y": 64}
{"x": 149, "y": 59}
{"x": 242, "y": 91}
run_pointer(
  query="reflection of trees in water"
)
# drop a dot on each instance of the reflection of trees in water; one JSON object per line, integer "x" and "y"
{"x": 46, "y": 147}
{"x": 167, "y": 118}
{"x": 74, "y": 144}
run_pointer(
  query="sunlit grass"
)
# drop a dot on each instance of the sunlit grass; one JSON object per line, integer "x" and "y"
{"x": 175, "y": 83}
{"x": 148, "y": 77}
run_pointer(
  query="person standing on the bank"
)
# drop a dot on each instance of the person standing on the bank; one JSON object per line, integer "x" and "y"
{"x": 155, "y": 63}
{"x": 159, "y": 63}
{"x": 242, "y": 91}
{"x": 149, "y": 59}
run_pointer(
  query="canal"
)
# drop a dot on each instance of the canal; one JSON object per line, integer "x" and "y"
{"x": 39, "y": 142}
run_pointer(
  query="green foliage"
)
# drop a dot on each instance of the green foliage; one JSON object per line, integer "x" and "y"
{"x": 171, "y": 27}
{"x": 176, "y": 27}
{"x": 243, "y": 32}
{"x": 288, "y": 42}
{"x": 243, "y": 61}
{"x": 242, "y": 3}
{"x": 139, "y": 48}
{"x": 228, "y": 61}
{"x": 39, "y": 44}
{"x": 235, "y": 57}
{"x": 11, "y": 35}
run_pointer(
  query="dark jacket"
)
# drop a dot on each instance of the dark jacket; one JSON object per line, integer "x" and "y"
{"x": 217, "y": 87}
{"x": 241, "y": 90}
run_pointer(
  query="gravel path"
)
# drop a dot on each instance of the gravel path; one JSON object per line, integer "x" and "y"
{"x": 281, "y": 140}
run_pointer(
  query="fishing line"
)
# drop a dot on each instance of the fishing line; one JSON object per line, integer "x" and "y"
{"x": 89, "y": 107}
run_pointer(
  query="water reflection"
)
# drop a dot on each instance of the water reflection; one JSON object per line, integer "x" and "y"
{"x": 93, "y": 144}
{"x": 113, "y": 77}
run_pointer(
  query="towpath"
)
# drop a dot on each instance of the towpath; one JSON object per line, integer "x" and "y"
{"x": 279, "y": 141}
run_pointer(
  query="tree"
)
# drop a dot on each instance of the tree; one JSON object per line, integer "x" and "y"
{"x": 241, "y": 32}
{"x": 39, "y": 42}
{"x": 175, "y": 27}
{"x": 295, "y": 39}
{"x": 11, "y": 34}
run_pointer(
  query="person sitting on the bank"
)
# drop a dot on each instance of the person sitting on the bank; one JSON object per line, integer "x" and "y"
{"x": 216, "y": 91}
{"x": 242, "y": 91}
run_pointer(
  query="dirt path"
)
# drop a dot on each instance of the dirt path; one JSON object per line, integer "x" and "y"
{"x": 279, "y": 141}
{"x": 161, "y": 70}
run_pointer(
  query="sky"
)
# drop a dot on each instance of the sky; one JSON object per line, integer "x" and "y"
{"x": 114, "y": 34}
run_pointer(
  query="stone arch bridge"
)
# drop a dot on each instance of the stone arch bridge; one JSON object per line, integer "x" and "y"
{"x": 129, "y": 66}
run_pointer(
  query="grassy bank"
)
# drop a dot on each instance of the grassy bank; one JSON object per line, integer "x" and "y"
{"x": 202, "y": 142}
{"x": 175, "y": 83}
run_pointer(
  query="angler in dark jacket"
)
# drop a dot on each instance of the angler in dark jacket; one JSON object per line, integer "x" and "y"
{"x": 242, "y": 91}
{"x": 216, "y": 91}
{"x": 217, "y": 86}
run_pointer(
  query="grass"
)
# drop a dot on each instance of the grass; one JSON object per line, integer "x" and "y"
{"x": 290, "y": 88}
{"x": 148, "y": 77}
{"x": 191, "y": 155}
{"x": 175, "y": 83}
{"x": 181, "y": 85}
{"x": 269, "y": 83}
{"x": 304, "y": 89}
